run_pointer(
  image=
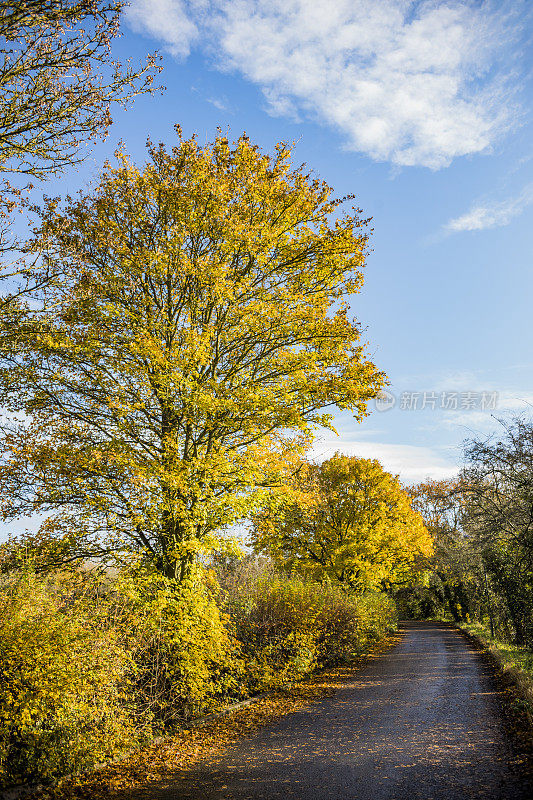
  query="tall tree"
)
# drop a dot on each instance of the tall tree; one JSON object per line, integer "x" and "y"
{"x": 347, "y": 520}
{"x": 499, "y": 480}
{"x": 199, "y": 330}
{"x": 58, "y": 84}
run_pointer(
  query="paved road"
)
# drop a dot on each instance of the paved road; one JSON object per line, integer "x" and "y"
{"x": 421, "y": 722}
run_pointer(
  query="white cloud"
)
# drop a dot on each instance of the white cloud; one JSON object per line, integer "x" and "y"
{"x": 458, "y": 381}
{"x": 411, "y": 463}
{"x": 167, "y": 20}
{"x": 513, "y": 400}
{"x": 407, "y": 82}
{"x": 476, "y": 422}
{"x": 492, "y": 214}
{"x": 218, "y": 103}
{"x": 468, "y": 423}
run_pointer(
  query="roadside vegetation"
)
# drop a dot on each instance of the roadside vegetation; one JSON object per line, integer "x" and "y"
{"x": 170, "y": 341}
{"x": 93, "y": 665}
{"x": 481, "y": 572}
{"x": 511, "y": 657}
{"x": 482, "y": 526}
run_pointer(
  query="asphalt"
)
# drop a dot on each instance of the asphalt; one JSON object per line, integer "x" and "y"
{"x": 421, "y": 722}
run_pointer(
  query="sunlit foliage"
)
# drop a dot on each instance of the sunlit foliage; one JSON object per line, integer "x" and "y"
{"x": 95, "y": 664}
{"x": 288, "y": 626}
{"x": 345, "y": 519}
{"x": 65, "y": 673}
{"x": 58, "y": 81}
{"x": 196, "y": 334}
{"x": 58, "y": 84}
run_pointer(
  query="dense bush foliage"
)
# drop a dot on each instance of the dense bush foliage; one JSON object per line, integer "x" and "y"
{"x": 92, "y": 665}
{"x": 287, "y": 626}
{"x": 186, "y": 660}
{"x": 65, "y": 680}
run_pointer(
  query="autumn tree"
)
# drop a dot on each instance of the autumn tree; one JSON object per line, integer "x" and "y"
{"x": 499, "y": 516}
{"x": 346, "y": 520}
{"x": 199, "y": 332}
{"x": 454, "y": 581}
{"x": 58, "y": 83}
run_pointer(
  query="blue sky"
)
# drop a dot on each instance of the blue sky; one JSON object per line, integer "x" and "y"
{"x": 423, "y": 110}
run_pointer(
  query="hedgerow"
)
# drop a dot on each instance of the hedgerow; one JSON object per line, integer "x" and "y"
{"x": 92, "y": 665}
{"x": 288, "y": 626}
{"x": 65, "y": 679}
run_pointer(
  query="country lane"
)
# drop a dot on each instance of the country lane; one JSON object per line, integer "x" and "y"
{"x": 422, "y": 721}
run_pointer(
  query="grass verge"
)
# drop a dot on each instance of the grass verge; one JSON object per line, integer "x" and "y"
{"x": 515, "y": 668}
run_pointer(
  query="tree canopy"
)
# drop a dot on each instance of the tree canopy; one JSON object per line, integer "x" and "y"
{"x": 58, "y": 84}
{"x": 58, "y": 80}
{"x": 347, "y": 520}
{"x": 482, "y": 567}
{"x": 198, "y": 331}
{"x": 498, "y": 480}
{"x": 454, "y": 574}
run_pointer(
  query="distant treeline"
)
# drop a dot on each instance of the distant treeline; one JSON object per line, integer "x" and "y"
{"x": 482, "y": 524}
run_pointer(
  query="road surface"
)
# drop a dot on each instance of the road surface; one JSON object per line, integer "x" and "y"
{"x": 421, "y": 722}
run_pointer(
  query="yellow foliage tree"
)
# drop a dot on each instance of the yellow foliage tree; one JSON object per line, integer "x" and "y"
{"x": 199, "y": 331}
{"x": 59, "y": 80}
{"x": 346, "y": 520}
{"x": 58, "y": 84}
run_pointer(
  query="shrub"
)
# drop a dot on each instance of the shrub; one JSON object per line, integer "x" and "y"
{"x": 288, "y": 626}
{"x": 378, "y": 617}
{"x": 90, "y": 667}
{"x": 274, "y": 620}
{"x": 64, "y": 677}
{"x": 349, "y": 624}
{"x": 186, "y": 660}
{"x": 93, "y": 665}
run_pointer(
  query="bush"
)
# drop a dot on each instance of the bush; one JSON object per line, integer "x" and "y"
{"x": 64, "y": 679}
{"x": 90, "y": 667}
{"x": 288, "y": 626}
{"x": 93, "y": 665}
{"x": 186, "y": 660}
{"x": 275, "y": 622}
{"x": 349, "y": 625}
{"x": 378, "y": 617}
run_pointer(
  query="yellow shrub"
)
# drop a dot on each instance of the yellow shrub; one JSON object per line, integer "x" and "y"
{"x": 378, "y": 616}
{"x": 289, "y": 626}
{"x": 186, "y": 660}
{"x": 274, "y": 620}
{"x": 64, "y": 679}
{"x": 90, "y": 667}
